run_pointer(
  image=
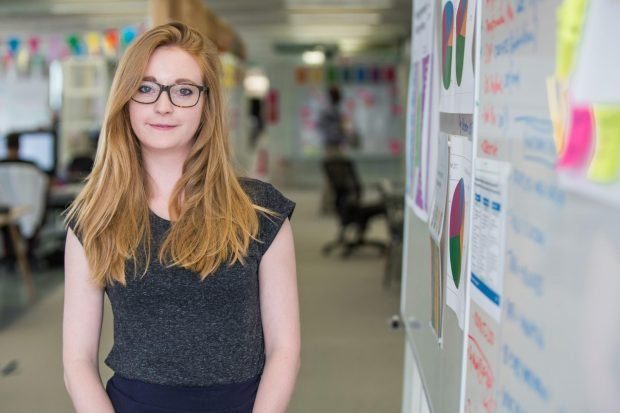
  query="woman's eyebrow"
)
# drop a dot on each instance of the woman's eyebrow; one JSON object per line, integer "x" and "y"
{"x": 178, "y": 81}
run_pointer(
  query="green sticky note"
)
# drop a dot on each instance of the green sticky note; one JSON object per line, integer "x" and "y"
{"x": 605, "y": 163}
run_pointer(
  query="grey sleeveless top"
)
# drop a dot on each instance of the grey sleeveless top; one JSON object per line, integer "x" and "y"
{"x": 171, "y": 328}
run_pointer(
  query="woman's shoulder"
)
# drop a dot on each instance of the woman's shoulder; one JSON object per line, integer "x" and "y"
{"x": 258, "y": 190}
{"x": 252, "y": 184}
{"x": 266, "y": 195}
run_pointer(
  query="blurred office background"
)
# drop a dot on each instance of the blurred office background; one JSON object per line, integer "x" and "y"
{"x": 57, "y": 59}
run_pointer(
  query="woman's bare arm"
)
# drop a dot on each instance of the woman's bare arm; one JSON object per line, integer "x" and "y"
{"x": 83, "y": 313}
{"x": 280, "y": 316}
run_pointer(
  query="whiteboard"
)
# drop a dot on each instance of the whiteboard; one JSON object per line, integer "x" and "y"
{"x": 548, "y": 343}
{"x": 551, "y": 348}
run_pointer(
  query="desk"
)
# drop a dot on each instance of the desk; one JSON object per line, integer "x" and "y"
{"x": 10, "y": 219}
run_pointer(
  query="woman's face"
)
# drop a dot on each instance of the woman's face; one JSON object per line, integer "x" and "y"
{"x": 162, "y": 126}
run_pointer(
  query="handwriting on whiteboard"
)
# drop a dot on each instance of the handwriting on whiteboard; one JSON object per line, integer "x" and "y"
{"x": 548, "y": 191}
{"x": 524, "y": 373}
{"x": 488, "y": 148}
{"x": 528, "y": 327}
{"x": 530, "y": 279}
{"x": 480, "y": 364}
{"x": 495, "y": 117}
{"x": 510, "y": 404}
{"x": 484, "y": 329}
{"x": 514, "y": 42}
{"x": 523, "y": 227}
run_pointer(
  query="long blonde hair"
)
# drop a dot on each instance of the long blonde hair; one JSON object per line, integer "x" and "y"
{"x": 214, "y": 220}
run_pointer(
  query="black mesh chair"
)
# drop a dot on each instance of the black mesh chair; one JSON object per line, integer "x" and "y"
{"x": 352, "y": 213}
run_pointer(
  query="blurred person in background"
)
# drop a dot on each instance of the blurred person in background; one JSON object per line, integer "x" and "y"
{"x": 12, "y": 157}
{"x": 198, "y": 263}
{"x": 334, "y": 138}
{"x": 12, "y": 150}
{"x": 331, "y": 124}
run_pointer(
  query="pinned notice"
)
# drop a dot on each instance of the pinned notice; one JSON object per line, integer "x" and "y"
{"x": 606, "y": 161}
{"x": 579, "y": 138}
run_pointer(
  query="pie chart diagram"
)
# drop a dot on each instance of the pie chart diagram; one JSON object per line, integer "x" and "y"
{"x": 457, "y": 220}
{"x": 447, "y": 41}
{"x": 461, "y": 29}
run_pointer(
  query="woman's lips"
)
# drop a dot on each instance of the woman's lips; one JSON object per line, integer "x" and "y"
{"x": 162, "y": 127}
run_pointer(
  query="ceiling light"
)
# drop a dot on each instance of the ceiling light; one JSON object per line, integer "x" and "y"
{"x": 313, "y": 57}
{"x": 332, "y": 19}
{"x": 329, "y": 5}
{"x": 351, "y": 45}
{"x": 256, "y": 83}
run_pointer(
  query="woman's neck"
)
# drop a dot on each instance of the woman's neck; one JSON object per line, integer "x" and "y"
{"x": 163, "y": 169}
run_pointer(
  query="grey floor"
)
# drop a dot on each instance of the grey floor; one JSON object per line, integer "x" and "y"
{"x": 351, "y": 360}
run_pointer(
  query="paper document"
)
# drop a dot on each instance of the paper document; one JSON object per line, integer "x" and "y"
{"x": 457, "y": 225}
{"x": 488, "y": 239}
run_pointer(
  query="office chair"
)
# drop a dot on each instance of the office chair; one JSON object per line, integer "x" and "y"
{"x": 352, "y": 213}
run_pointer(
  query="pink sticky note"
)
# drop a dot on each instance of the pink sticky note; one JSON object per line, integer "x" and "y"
{"x": 578, "y": 140}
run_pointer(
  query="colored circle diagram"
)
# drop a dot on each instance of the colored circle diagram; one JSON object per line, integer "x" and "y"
{"x": 447, "y": 41}
{"x": 461, "y": 29}
{"x": 457, "y": 221}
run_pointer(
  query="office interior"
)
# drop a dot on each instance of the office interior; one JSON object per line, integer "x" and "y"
{"x": 491, "y": 182}
{"x": 279, "y": 57}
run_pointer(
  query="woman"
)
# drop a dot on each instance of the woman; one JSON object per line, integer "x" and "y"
{"x": 198, "y": 264}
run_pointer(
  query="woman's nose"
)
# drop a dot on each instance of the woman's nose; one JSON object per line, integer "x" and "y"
{"x": 163, "y": 104}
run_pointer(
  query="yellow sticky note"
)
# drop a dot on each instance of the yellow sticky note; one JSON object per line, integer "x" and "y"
{"x": 570, "y": 16}
{"x": 555, "y": 113}
{"x": 605, "y": 163}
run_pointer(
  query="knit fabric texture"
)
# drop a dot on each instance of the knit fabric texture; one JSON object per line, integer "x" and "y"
{"x": 171, "y": 328}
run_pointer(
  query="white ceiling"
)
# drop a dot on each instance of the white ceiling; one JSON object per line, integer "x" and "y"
{"x": 349, "y": 24}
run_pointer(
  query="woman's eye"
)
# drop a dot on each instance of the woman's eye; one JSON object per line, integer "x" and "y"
{"x": 185, "y": 91}
{"x": 145, "y": 89}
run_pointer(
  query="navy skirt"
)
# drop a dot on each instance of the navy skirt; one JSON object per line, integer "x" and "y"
{"x": 134, "y": 396}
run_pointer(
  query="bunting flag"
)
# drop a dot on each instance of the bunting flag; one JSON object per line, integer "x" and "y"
{"x": 93, "y": 43}
{"x": 47, "y": 48}
{"x": 128, "y": 34}
{"x": 301, "y": 75}
{"x": 75, "y": 44}
{"x": 110, "y": 43}
{"x": 316, "y": 75}
{"x": 56, "y": 49}
{"x": 360, "y": 74}
{"x": 13, "y": 44}
{"x": 33, "y": 45}
{"x": 331, "y": 75}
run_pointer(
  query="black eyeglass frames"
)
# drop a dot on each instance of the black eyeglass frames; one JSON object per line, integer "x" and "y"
{"x": 183, "y": 95}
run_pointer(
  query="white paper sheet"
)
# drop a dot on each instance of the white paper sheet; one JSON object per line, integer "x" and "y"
{"x": 419, "y": 110}
{"x": 489, "y": 234}
{"x": 457, "y": 224}
{"x": 596, "y": 77}
{"x": 438, "y": 203}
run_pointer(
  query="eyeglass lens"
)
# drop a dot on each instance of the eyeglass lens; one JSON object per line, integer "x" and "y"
{"x": 181, "y": 95}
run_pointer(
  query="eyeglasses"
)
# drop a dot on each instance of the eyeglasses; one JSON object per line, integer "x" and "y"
{"x": 183, "y": 96}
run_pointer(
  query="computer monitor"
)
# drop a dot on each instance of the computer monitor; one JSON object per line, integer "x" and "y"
{"x": 36, "y": 146}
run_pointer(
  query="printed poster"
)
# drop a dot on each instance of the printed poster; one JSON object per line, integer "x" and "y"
{"x": 438, "y": 204}
{"x": 459, "y": 184}
{"x": 419, "y": 119}
{"x": 489, "y": 235}
{"x": 437, "y": 290}
{"x": 457, "y": 43}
